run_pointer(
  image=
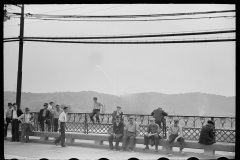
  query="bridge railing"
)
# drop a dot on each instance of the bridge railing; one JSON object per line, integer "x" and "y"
{"x": 80, "y": 122}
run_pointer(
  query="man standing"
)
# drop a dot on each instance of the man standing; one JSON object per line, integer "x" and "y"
{"x": 117, "y": 134}
{"x": 16, "y": 112}
{"x": 207, "y": 134}
{"x": 56, "y": 114}
{"x": 27, "y": 120}
{"x": 62, "y": 125}
{"x": 152, "y": 134}
{"x": 131, "y": 132}
{"x": 50, "y": 108}
{"x": 44, "y": 117}
{"x": 7, "y": 118}
{"x": 97, "y": 109}
{"x": 175, "y": 134}
{"x": 159, "y": 114}
{"x": 117, "y": 112}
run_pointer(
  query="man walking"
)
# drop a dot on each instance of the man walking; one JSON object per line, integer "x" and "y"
{"x": 97, "y": 109}
{"x": 117, "y": 134}
{"x": 56, "y": 114}
{"x": 27, "y": 120}
{"x": 159, "y": 114}
{"x": 207, "y": 134}
{"x": 175, "y": 134}
{"x": 44, "y": 117}
{"x": 152, "y": 134}
{"x": 7, "y": 118}
{"x": 16, "y": 112}
{"x": 62, "y": 125}
{"x": 131, "y": 132}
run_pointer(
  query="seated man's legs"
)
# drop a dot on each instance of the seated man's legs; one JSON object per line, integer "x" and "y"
{"x": 97, "y": 116}
{"x": 110, "y": 140}
{"x": 124, "y": 141}
{"x": 171, "y": 139}
{"x": 182, "y": 143}
{"x": 117, "y": 139}
{"x": 92, "y": 114}
{"x": 156, "y": 138}
{"x": 146, "y": 141}
{"x": 132, "y": 142}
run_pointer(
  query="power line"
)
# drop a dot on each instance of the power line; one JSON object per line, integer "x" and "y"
{"x": 133, "y": 36}
{"x": 135, "y": 20}
{"x": 135, "y": 42}
{"x": 127, "y": 16}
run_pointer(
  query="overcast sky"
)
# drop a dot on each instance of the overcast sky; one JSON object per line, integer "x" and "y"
{"x": 120, "y": 69}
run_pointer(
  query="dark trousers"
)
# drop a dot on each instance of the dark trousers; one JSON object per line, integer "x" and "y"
{"x": 15, "y": 130}
{"x": 154, "y": 139}
{"x": 97, "y": 112}
{"x": 55, "y": 124}
{"x": 171, "y": 139}
{"x": 131, "y": 137}
{"x": 62, "y": 135}
{"x": 162, "y": 125}
{"x": 25, "y": 132}
{"x": 48, "y": 123}
{"x": 8, "y": 120}
{"x": 117, "y": 139}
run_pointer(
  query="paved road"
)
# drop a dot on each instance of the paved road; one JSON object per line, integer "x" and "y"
{"x": 38, "y": 150}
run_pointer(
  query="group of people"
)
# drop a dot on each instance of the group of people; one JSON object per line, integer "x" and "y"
{"x": 126, "y": 132}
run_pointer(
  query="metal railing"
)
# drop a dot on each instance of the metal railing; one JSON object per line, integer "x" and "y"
{"x": 80, "y": 122}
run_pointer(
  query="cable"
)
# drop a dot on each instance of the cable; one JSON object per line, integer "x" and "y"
{"x": 134, "y": 19}
{"x": 130, "y": 36}
{"x": 136, "y": 42}
{"x": 127, "y": 16}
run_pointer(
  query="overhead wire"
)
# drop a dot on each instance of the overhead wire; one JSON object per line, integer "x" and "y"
{"x": 134, "y": 36}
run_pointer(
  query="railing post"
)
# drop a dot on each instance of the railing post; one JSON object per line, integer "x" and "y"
{"x": 85, "y": 125}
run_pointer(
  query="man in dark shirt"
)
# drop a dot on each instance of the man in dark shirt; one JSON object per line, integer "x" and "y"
{"x": 118, "y": 128}
{"x": 152, "y": 134}
{"x": 207, "y": 134}
{"x": 159, "y": 114}
{"x": 44, "y": 117}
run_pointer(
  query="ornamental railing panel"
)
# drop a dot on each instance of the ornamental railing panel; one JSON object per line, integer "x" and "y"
{"x": 80, "y": 122}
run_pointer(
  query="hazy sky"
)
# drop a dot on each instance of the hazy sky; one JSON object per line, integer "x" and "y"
{"x": 120, "y": 69}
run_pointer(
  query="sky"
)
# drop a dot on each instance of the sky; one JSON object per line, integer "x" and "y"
{"x": 120, "y": 69}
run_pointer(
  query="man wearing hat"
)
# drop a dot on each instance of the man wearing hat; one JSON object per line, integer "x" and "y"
{"x": 207, "y": 134}
{"x": 175, "y": 134}
{"x": 16, "y": 112}
{"x": 62, "y": 125}
{"x": 118, "y": 128}
{"x": 152, "y": 134}
{"x": 44, "y": 117}
{"x": 97, "y": 109}
{"x": 7, "y": 118}
{"x": 56, "y": 114}
{"x": 117, "y": 112}
{"x": 27, "y": 120}
{"x": 131, "y": 132}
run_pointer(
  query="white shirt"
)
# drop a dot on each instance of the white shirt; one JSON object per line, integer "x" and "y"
{"x": 15, "y": 114}
{"x": 97, "y": 105}
{"x": 27, "y": 117}
{"x": 49, "y": 107}
{"x": 63, "y": 117}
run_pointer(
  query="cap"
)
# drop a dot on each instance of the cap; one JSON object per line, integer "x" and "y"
{"x": 130, "y": 117}
{"x": 57, "y": 105}
{"x": 176, "y": 120}
{"x": 51, "y": 102}
{"x": 152, "y": 119}
{"x": 27, "y": 109}
{"x": 65, "y": 107}
{"x": 117, "y": 116}
{"x": 95, "y": 98}
{"x": 118, "y": 107}
{"x": 9, "y": 103}
{"x": 211, "y": 122}
{"x": 45, "y": 104}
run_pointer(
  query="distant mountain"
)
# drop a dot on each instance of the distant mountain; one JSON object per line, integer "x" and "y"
{"x": 196, "y": 104}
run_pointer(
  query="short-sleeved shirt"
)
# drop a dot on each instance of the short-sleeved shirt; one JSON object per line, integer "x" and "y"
{"x": 8, "y": 113}
{"x": 57, "y": 113}
{"x": 26, "y": 116}
{"x": 97, "y": 105}
{"x": 63, "y": 117}
{"x": 175, "y": 130}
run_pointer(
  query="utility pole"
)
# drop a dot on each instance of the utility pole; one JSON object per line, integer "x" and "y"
{"x": 20, "y": 58}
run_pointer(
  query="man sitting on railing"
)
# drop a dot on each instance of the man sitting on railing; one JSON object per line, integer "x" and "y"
{"x": 175, "y": 134}
{"x": 117, "y": 134}
{"x": 131, "y": 132}
{"x": 117, "y": 112}
{"x": 207, "y": 134}
{"x": 97, "y": 109}
{"x": 152, "y": 134}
